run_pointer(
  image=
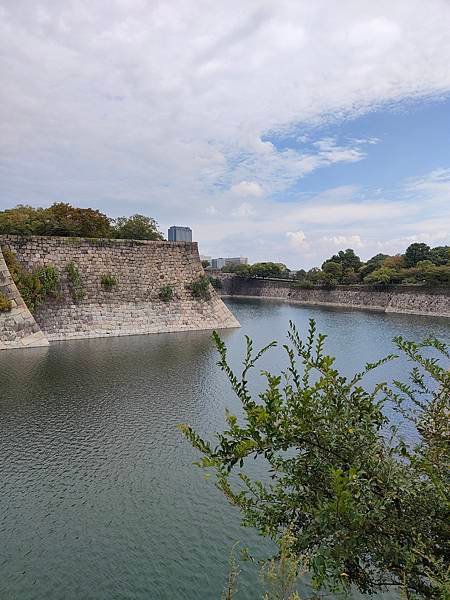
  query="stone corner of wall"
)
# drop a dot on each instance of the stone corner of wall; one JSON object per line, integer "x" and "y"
{"x": 18, "y": 328}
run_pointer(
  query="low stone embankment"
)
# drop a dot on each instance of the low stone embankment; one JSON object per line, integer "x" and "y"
{"x": 133, "y": 304}
{"x": 399, "y": 299}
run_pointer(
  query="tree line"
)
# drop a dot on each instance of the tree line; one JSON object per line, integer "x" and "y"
{"x": 420, "y": 264}
{"x": 62, "y": 219}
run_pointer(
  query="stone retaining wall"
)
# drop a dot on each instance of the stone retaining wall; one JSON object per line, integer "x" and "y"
{"x": 132, "y": 306}
{"x": 409, "y": 300}
{"x": 18, "y": 329}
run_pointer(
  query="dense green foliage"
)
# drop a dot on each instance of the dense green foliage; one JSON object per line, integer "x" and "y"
{"x": 75, "y": 282}
{"x": 59, "y": 219}
{"x": 108, "y": 281}
{"x": 364, "y": 507}
{"x": 5, "y": 303}
{"x": 216, "y": 283}
{"x": 263, "y": 269}
{"x": 136, "y": 227}
{"x": 420, "y": 265}
{"x": 200, "y": 288}
{"x": 166, "y": 293}
{"x": 415, "y": 253}
{"x": 34, "y": 286}
{"x": 240, "y": 270}
{"x": 62, "y": 219}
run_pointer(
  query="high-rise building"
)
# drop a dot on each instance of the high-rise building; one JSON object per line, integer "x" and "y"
{"x": 179, "y": 234}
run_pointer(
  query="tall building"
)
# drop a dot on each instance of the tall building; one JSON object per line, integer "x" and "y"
{"x": 179, "y": 234}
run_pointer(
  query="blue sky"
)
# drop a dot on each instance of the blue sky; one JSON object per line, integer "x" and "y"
{"x": 409, "y": 138}
{"x": 277, "y": 129}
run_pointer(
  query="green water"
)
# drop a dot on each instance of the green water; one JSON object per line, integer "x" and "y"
{"x": 98, "y": 496}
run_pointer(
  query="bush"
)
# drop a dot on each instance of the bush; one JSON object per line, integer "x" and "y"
{"x": 382, "y": 275}
{"x": 415, "y": 253}
{"x": 266, "y": 269}
{"x": 166, "y": 293}
{"x": 108, "y": 281}
{"x": 366, "y": 509}
{"x": 59, "y": 219}
{"x": 200, "y": 288}
{"x": 216, "y": 283}
{"x": 136, "y": 227}
{"x": 62, "y": 219}
{"x": 34, "y": 286}
{"x": 240, "y": 270}
{"x": 75, "y": 282}
{"x": 304, "y": 284}
{"x": 5, "y": 303}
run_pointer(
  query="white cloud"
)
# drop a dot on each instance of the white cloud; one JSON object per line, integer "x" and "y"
{"x": 304, "y": 234}
{"x": 157, "y": 103}
{"x": 330, "y": 152}
{"x": 244, "y": 210}
{"x": 247, "y": 188}
{"x": 353, "y": 241}
{"x": 165, "y": 109}
{"x": 297, "y": 239}
{"x": 434, "y": 184}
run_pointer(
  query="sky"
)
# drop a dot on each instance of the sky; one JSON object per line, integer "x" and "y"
{"x": 278, "y": 130}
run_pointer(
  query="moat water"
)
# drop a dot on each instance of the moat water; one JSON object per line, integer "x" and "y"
{"x": 98, "y": 496}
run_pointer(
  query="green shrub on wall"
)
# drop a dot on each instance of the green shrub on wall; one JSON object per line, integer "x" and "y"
{"x": 75, "y": 282}
{"x": 166, "y": 293}
{"x": 5, "y": 304}
{"x": 108, "y": 281}
{"x": 216, "y": 283}
{"x": 34, "y": 286}
{"x": 200, "y": 288}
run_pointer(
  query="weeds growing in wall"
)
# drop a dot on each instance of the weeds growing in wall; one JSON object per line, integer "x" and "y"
{"x": 216, "y": 283}
{"x": 200, "y": 288}
{"x": 108, "y": 281}
{"x": 5, "y": 303}
{"x": 34, "y": 286}
{"x": 166, "y": 293}
{"x": 75, "y": 282}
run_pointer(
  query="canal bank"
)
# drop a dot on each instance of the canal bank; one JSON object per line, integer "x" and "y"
{"x": 412, "y": 300}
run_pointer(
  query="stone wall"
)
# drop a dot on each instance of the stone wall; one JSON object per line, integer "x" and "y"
{"x": 133, "y": 306}
{"x": 400, "y": 299}
{"x": 18, "y": 329}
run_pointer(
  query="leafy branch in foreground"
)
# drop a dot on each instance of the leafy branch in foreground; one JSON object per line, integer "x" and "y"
{"x": 363, "y": 506}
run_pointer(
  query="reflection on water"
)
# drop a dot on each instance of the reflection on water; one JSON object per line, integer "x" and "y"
{"x": 98, "y": 496}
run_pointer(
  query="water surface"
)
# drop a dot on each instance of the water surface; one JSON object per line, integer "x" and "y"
{"x": 98, "y": 496}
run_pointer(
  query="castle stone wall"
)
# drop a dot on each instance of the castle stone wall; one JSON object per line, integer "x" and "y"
{"x": 133, "y": 306}
{"x": 400, "y": 299}
{"x": 18, "y": 328}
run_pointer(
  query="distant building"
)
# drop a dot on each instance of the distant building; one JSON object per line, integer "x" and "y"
{"x": 179, "y": 234}
{"x": 218, "y": 263}
{"x": 239, "y": 260}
